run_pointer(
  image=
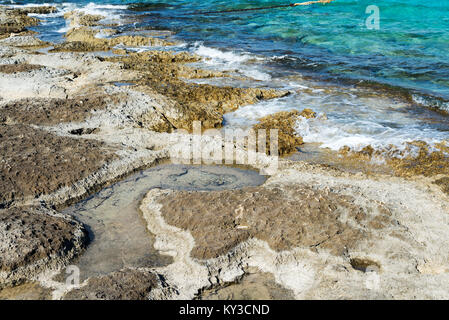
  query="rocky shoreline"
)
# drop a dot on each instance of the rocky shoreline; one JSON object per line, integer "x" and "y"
{"x": 309, "y": 232}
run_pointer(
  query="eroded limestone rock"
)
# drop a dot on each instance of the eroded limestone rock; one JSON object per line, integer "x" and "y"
{"x": 42, "y": 111}
{"x": 38, "y": 9}
{"x": 444, "y": 184}
{"x": 127, "y": 284}
{"x": 78, "y": 18}
{"x": 418, "y": 158}
{"x": 14, "y": 21}
{"x": 285, "y": 123}
{"x": 35, "y": 162}
{"x": 83, "y": 39}
{"x": 285, "y": 218}
{"x": 34, "y": 240}
{"x": 21, "y": 67}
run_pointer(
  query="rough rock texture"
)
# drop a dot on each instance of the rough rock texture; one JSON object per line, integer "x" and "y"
{"x": 83, "y": 39}
{"x": 41, "y": 111}
{"x": 444, "y": 184}
{"x": 318, "y": 232}
{"x": 418, "y": 158}
{"x": 60, "y": 139}
{"x": 298, "y": 216}
{"x": 322, "y": 233}
{"x": 13, "y": 68}
{"x": 127, "y": 284}
{"x": 167, "y": 66}
{"x": 36, "y": 239}
{"x": 285, "y": 123}
{"x": 38, "y": 9}
{"x": 428, "y": 162}
{"x": 77, "y": 19}
{"x": 36, "y": 162}
{"x": 14, "y": 21}
{"x": 253, "y": 286}
{"x": 26, "y": 291}
{"x": 163, "y": 74}
{"x": 208, "y": 103}
{"x": 24, "y": 40}
{"x": 77, "y": 46}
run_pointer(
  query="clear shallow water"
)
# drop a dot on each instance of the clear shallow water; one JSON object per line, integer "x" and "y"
{"x": 319, "y": 53}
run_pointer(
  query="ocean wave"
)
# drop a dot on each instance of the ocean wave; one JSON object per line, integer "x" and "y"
{"x": 109, "y": 11}
{"x": 331, "y": 134}
{"x": 346, "y": 118}
{"x": 431, "y": 102}
{"x": 232, "y": 60}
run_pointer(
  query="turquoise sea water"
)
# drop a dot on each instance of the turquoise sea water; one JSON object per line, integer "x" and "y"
{"x": 284, "y": 48}
{"x": 410, "y": 50}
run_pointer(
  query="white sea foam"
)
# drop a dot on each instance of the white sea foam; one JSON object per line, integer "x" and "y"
{"x": 110, "y": 12}
{"x": 431, "y": 102}
{"x": 353, "y": 121}
{"x": 334, "y": 135}
{"x": 224, "y": 57}
{"x": 231, "y": 60}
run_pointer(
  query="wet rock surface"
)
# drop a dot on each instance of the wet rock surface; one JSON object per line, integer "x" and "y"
{"x": 417, "y": 159}
{"x": 285, "y": 123}
{"x": 340, "y": 239}
{"x": 35, "y": 239}
{"x": 38, "y": 9}
{"x": 119, "y": 235}
{"x": 77, "y": 19}
{"x": 187, "y": 102}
